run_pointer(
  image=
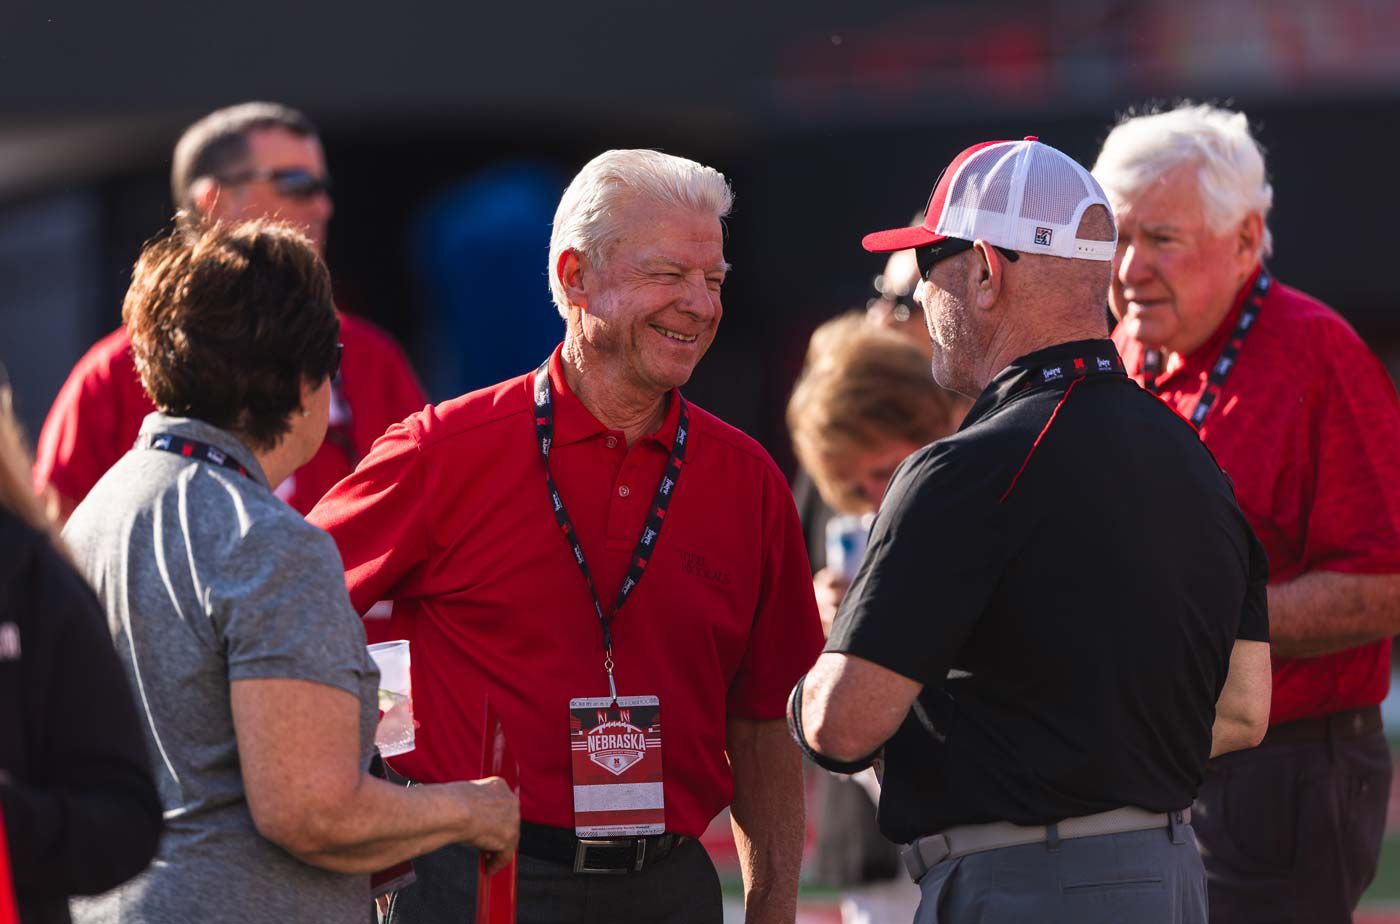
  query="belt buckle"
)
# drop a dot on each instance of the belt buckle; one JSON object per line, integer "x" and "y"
{"x": 585, "y": 844}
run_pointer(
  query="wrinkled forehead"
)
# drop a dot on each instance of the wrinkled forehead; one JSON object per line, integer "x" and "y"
{"x": 656, "y": 232}
{"x": 1172, "y": 197}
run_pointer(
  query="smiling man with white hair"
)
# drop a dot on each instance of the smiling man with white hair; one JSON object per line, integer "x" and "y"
{"x": 594, "y": 553}
{"x": 1306, "y": 421}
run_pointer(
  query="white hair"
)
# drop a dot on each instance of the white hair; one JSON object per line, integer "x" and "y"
{"x": 588, "y": 220}
{"x": 1231, "y": 175}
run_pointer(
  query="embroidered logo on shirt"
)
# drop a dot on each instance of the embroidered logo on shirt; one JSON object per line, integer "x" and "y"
{"x": 695, "y": 566}
{"x": 9, "y": 642}
{"x": 1052, "y": 373}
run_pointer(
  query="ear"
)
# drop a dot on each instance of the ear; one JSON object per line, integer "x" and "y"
{"x": 1249, "y": 238}
{"x": 986, "y": 274}
{"x": 573, "y": 277}
{"x": 204, "y": 193}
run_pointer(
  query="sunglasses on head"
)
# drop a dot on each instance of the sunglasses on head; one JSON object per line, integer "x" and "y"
{"x": 292, "y": 182}
{"x": 930, "y": 256}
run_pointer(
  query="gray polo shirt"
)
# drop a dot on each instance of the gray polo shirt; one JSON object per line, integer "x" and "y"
{"x": 208, "y": 578}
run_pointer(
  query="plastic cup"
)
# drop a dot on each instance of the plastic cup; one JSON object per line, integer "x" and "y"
{"x": 395, "y": 732}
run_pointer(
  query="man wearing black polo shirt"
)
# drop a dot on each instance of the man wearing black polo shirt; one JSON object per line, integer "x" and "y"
{"x": 1042, "y": 743}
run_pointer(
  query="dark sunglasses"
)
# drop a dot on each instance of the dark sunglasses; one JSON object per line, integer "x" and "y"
{"x": 292, "y": 182}
{"x": 339, "y": 355}
{"x": 930, "y": 256}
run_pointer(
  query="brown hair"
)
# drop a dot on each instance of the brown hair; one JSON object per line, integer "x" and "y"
{"x": 226, "y": 324}
{"x": 218, "y": 143}
{"x": 861, "y": 386}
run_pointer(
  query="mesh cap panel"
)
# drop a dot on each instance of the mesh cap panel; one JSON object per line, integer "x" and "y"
{"x": 984, "y": 184}
{"x": 1053, "y": 189}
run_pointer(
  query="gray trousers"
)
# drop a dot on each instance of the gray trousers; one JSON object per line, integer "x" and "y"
{"x": 683, "y": 888}
{"x": 1142, "y": 877}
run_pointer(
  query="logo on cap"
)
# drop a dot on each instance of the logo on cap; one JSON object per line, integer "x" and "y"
{"x": 1051, "y": 374}
{"x": 1043, "y": 236}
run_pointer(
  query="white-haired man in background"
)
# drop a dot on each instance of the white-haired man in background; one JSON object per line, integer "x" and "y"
{"x": 1306, "y": 421}
{"x": 595, "y": 553}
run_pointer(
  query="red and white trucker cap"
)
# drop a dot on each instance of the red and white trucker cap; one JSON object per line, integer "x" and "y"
{"x": 1020, "y": 195}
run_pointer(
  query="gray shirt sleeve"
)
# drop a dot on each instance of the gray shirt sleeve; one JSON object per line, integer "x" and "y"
{"x": 281, "y": 610}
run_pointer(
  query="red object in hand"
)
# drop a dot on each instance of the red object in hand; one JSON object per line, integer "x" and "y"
{"x": 495, "y": 893}
{"x": 9, "y": 914}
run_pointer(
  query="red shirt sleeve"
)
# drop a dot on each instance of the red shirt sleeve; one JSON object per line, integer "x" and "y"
{"x": 787, "y": 633}
{"x": 1351, "y": 509}
{"x": 380, "y": 517}
{"x": 87, "y": 429}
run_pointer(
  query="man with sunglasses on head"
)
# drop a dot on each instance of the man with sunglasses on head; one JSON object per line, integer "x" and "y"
{"x": 254, "y": 160}
{"x": 1044, "y": 690}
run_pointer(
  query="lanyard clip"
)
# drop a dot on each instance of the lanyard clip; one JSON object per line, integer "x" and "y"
{"x": 612, "y": 685}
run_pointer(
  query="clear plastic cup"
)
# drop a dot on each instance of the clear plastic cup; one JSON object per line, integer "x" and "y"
{"x": 395, "y": 732}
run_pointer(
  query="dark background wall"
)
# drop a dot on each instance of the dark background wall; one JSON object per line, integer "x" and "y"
{"x": 830, "y": 121}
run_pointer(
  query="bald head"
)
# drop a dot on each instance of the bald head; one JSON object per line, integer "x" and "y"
{"x": 1056, "y": 292}
{"x": 984, "y": 310}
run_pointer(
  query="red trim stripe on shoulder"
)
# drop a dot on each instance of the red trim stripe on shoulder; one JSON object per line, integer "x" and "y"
{"x": 1044, "y": 430}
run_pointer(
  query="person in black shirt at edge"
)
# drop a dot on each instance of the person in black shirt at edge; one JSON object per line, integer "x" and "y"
{"x": 79, "y": 803}
{"x": 1042, "y": 741}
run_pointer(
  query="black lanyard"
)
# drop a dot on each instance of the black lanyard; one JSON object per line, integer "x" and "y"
{"x": 192, "y": 449}
{"x": 1152, "y": 359}
{"x": 646, "y": 545}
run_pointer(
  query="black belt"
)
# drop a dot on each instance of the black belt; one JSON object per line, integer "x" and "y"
{"x": 597, "y": 855}
{"x": 1353, "y": 723}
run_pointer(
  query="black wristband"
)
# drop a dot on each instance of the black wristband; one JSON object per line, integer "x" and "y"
{"x": 815, "y": 756}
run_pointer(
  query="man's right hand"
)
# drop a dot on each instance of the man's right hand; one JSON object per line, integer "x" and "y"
{"x": 493, "y": 819}
{"x": 830, "y": 586}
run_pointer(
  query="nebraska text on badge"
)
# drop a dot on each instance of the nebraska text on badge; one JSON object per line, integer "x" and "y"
{"x": 617, "y": 766}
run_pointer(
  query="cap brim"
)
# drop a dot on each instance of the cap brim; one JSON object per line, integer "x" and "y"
{"x": 901, "y": 239}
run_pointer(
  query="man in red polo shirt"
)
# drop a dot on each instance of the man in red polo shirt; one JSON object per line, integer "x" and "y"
{"x": 615, "y": 568}
{"x": 254, "y": 160}
{"x": 1306, "y": 422}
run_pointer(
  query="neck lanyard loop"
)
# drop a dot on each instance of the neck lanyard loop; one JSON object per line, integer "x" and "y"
{"x": 656, "y": 516}
{"x": 1229, "y": 356}
{"x": 191, "y": 449}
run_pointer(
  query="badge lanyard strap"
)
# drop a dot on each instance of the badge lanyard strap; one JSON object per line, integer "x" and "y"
{"x": 1152, "y": 359}
{"x": 191, "y": 449}
{"x": 544, "y": 431}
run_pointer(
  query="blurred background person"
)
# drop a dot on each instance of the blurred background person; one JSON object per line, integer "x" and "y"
{"x": 80, "y": 807}
{"x": 866, "y": 400}
{"x": 249, "y": 161}
{"x": 893, "y": 306}
{"x": 1306, "y": 421}
{"x": 229, "y": 610}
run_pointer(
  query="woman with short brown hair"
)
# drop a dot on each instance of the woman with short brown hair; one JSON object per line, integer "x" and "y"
{"x": 865, "y": 400}
{"x": 230, "y": 610}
